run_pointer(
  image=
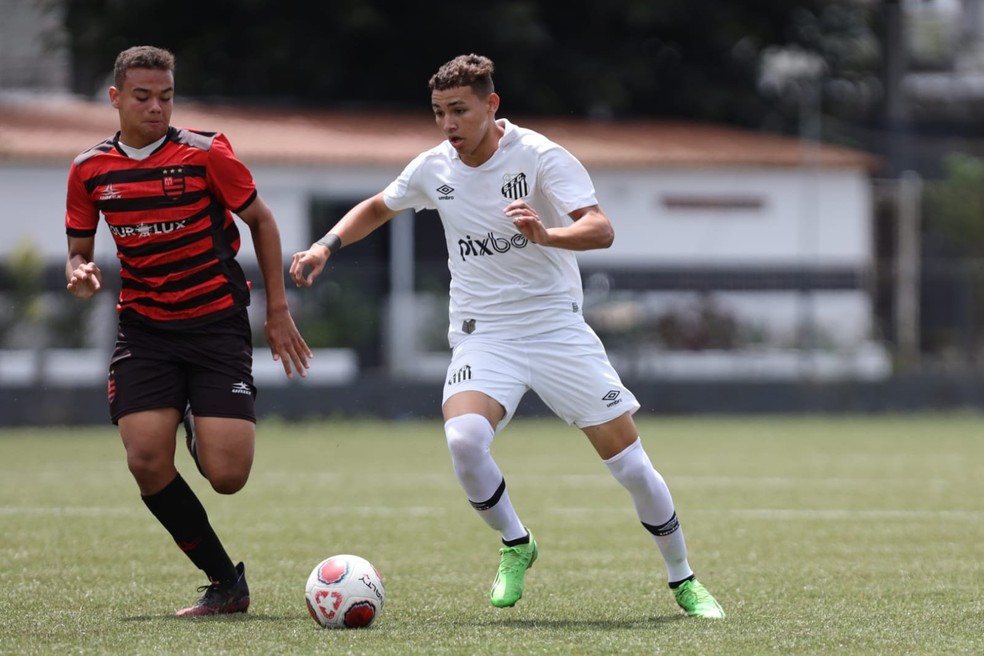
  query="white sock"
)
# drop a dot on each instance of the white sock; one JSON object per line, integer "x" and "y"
{"x": 469, "y": 441}
{"x": 654, "y": 506}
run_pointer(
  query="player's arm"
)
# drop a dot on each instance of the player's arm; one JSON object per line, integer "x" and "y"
{"x": 282, "y": 335}
{"x": 591, "y": 228}
{"x": 83, "y": 276}
{"x": 358, "y": 223}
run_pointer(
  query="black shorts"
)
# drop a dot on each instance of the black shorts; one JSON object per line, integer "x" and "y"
{"x": 211, "y": 367}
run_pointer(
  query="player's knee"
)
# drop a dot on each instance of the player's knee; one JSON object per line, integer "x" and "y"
{"x": 228, "y": 482}
{"x": 145, "y": 465}
{"x": 635, "y": 475}
{"x": 469, "y": 436}
{"x": 633, "y": 469}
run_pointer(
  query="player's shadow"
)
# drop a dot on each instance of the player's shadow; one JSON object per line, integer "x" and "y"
{"x": 576, "y": 624}
{"x": 236, "y": 617}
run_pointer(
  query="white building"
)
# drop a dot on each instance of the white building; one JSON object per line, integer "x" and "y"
{"x": 774, "y": 233}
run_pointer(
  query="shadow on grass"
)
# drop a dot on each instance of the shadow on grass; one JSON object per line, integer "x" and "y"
{"x": 576, "y": 624}
{"x": 234, "y": 618}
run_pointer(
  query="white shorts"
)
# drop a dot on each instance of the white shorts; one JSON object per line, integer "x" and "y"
{"x": 567, "y": 368}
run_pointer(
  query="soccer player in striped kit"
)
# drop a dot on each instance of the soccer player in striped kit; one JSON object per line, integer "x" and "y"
{"x": 515, "y": 208}
{"x": 168, "y": 196}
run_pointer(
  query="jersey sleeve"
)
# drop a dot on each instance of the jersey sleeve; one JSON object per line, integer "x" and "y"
{"x": 81, "y": 214}
{"x": 403, "y": 193}
{"x": 228, "y": 178}
{"x": 565, "y": 181}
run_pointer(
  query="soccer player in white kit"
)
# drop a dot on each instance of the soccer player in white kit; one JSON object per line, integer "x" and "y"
{"x": 515, "y": 208}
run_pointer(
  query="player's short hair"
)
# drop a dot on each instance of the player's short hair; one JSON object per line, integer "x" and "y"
{"x": 150, "y": 57}
{"x": 473, "y": 71}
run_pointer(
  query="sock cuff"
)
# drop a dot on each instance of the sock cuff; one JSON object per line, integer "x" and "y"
{"x": 469, "y": 418}
{"x": 625, "y": 452}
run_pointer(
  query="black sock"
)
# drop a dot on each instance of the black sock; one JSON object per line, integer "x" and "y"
{"x": 180, "y": 512}
{"x": 676, "y": 584}
{"x": 522, "y": 540}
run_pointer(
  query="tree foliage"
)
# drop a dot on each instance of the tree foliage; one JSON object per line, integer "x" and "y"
{"x": 698, "y": 59}
{"x": 954, "y": 204}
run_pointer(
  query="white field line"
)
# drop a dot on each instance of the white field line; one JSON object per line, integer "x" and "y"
{"x": 67, "y": 511}
{"x": 801, "y": 514}
{"x": 771, "y": 514}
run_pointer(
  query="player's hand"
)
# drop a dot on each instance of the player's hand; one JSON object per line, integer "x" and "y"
{"x": 527, "y": 222}
{"x": 86, "y": 280}
{"x": 314, "y": 257}
{"x": 286, "y": 343}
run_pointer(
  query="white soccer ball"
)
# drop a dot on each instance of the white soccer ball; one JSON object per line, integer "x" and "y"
{"x": 344, "y": 592}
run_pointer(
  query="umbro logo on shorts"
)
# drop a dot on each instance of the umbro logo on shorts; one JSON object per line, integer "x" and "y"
{"x": 612, "y": 398}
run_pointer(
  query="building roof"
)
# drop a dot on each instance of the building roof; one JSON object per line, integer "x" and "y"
{"x": 57, "y": 128}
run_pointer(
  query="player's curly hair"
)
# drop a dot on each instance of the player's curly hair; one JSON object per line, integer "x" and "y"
{"x": 473, "y": 71}
{"x": 150, "y": 57}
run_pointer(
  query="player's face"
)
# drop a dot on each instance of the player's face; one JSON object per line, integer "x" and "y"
{"x": 468, "y": 122}
{"x": 144, "y": 104}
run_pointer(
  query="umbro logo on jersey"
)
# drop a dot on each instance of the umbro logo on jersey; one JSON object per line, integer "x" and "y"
{"x": 445, "y": 191}
{"x": 515, "y": 186}
{"x": 110, "y": 193}
{"x": 241, "y": 388}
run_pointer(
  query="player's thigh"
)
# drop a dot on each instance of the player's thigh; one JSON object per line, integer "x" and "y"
{"x": 474, "y": 402}
{"x": 149, "y": 439}
{"x": 612, "y": 437}
{"x": 222, "y": 397}
{"x": 226, "y": 448}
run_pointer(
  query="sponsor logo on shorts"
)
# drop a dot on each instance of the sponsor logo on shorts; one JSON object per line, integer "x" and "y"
{"x": 241, "y": 388}
{"x": 612, "y": 398}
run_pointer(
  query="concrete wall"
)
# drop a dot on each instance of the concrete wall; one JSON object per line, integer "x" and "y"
{"x": 805, "y": 216}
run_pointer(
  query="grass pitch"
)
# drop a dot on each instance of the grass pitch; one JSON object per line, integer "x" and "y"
{"x": 818, "y": 535}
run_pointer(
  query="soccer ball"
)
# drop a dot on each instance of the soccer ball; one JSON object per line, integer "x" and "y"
{"x": 344, "y": 592}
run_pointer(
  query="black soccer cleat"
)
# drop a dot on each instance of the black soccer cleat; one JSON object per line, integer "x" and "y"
{"x": 221, "y": 598}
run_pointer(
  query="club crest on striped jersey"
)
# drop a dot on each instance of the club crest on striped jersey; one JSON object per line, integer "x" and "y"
{"x": 514, "y": 186}
{"x": 174, "y": 181}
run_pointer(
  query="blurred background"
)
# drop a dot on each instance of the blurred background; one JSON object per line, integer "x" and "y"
{"x": 797, "y": 189}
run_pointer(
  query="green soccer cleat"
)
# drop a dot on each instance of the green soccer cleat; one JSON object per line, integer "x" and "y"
{"x": 696, "y": 601}
{"x": 507, "y": 588}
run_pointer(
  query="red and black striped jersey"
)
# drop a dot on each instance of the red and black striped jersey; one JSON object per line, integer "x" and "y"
{"x": 171, "y": 217}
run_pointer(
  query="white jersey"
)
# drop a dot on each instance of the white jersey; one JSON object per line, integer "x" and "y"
{"x": 501, "y": 284}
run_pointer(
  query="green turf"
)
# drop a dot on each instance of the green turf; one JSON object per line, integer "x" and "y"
{"x": 818, "y": 535}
